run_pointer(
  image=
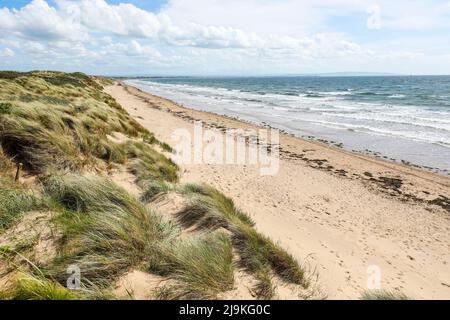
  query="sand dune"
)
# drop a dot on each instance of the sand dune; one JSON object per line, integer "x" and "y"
{"x": 344, "y": 215}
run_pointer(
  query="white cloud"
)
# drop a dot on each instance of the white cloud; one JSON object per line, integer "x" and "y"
{"x": 7, "y": 53}
{"x": 290, "y": 34}
{"x": 123, "y": 19}
{"x": 76, "y": 20}
{"x": 38, "y": 20}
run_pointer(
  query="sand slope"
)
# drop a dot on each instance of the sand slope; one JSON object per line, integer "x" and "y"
{"x": 337, "y": 212}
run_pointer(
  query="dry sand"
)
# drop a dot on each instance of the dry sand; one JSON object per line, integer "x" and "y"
{"x": 336, "y": 212}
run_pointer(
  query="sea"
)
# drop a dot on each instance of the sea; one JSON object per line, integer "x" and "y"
{"x": 396, "y": 118}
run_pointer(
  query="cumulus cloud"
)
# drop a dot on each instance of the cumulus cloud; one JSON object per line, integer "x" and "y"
{"x": 290, "y": 33}
{"x": 38, "y": 20}
{"x": 123, "y": 19}
{"x": 77, "y": 20}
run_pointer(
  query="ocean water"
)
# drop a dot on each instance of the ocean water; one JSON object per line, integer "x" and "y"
{"x": 400, "y": 117}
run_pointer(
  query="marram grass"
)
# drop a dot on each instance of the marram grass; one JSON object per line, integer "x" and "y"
{"x": 209, "y": 209}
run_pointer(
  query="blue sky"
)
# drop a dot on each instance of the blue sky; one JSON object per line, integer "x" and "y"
{"x": 151, "y": 5}
{"x": 226, "y": 37}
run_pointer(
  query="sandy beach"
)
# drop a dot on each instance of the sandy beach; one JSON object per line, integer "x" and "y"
{"x": 342, "y": 215}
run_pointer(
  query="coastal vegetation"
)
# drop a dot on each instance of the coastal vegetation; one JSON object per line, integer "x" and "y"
{"x": 62, "y": 141}
{"x": 383, "y": 295}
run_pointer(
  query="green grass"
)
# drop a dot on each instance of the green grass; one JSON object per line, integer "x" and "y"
{"x": 166, "y": 147}
{"x": 383, "y": 295}
{"x": 265, "y": 289}
{"x": 209, "y": 209}
{"x": 154, "y": 189}
{"x": 9, "y": 74}
{"x": 259, "y": 253}
{"x": 5, "y": 108}
{"x": 31, "y": 287}
{"x": 6, "y": 165}
{"x": 148, "y": 165}
{"x": 15, "y": 200}
{"x": 202, "y": 267}
{"x": 60, "y": 121}
{"x": 106, "y": 231}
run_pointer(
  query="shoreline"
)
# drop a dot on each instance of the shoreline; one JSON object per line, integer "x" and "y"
{"x": 400, "y": 150}
{"x": 403, "y": 165}
{"x": 336, "y": 211}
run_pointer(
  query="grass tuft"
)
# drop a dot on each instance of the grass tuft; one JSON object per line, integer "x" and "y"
{"x": 31, "y": 287}
{"x": 154, "y": 189}
{"x": 148, "y": 165}
{"x": 5, "y": 107}
{"x": 210, "y": 209}
{"x": 202, "y": 267}
{"x": 14, "y": 201}
{"x": 383, "y": 295}
{"x": 258, "y": 253}
{"x": 106, "y": 231}
{"x": 265, "y": 289}
{"x": 60, "y": 121}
